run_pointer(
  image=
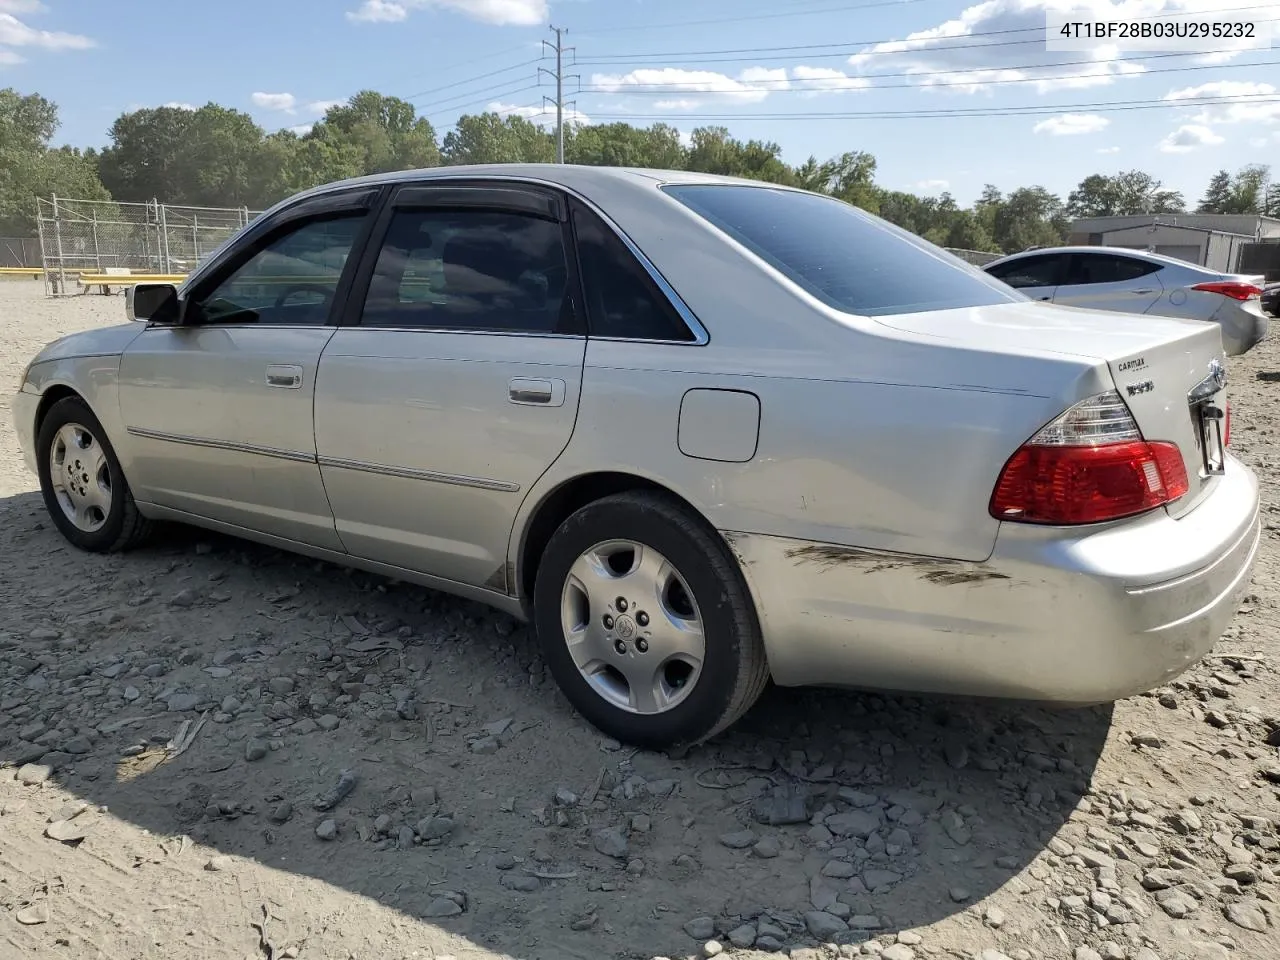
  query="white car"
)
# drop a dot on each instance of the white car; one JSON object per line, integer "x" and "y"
{"x": 702, "y": 432}
{"x": 1134, "y": 281}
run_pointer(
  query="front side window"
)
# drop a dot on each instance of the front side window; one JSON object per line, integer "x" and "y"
{"x": 470, "y": 270}
{"x": 291, "y": 280}
{"x": 843, "y": 256}
{"x": 1041, "y": 271}
{"x": 1108, "y": 268}
{"x": 622, "y": 299}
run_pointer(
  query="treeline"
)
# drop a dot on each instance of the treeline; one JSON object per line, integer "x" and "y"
{"x": 218, "y": 157}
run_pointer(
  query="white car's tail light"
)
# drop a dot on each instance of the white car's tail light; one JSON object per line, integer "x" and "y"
{"x": 1089, "y": 465}
{"x": 1230, "y": 288}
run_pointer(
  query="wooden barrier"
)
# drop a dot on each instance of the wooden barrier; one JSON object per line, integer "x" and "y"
{"x": 108, "y": 280}
{"x": 34, "y": 273}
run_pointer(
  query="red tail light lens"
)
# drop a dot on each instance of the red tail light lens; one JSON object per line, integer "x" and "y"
{"x": 1089, "y": 465}
{"x": 1230, "y": 288}
{"x": 1088, "y": 484}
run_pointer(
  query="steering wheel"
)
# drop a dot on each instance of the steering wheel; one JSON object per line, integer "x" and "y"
{"x": 290, "y": 290}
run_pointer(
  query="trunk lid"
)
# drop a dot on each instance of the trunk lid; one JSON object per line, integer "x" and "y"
{"x": 1156, "y": 362}
{"x": 1176, "y": 390}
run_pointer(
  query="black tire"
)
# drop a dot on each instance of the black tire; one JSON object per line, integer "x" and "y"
{"x": 124, "y": 527}
{"x": 734, "y": 669}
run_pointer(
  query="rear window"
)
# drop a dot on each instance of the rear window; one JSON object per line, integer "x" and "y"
{"x": 845, "y": 257}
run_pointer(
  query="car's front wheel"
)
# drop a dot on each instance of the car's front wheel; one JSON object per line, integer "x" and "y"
{"x": 646, "y": 623}
{"x": 83, "y": 486}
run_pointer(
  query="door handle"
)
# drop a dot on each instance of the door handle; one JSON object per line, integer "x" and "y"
{"x": 1145, "y": 290}
{"x": 285, "y": 375}
{"x": 1046, "y": 298}
{"x": 543, "y": 393}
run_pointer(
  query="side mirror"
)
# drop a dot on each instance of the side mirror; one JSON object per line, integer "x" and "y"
{"x": 153, "y": 303}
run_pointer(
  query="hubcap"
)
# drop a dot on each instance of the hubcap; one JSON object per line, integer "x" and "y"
{"x": 632, "y": 626}
{"x": 80, "y": 477}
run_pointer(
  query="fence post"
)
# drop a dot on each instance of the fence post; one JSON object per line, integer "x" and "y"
{"x": 44, "y": 260}
{"x": 195, "y": 239}
{"x": 97, "y": 254}
{"x": 57, "y": 233}
{"x": 164, "y": 233}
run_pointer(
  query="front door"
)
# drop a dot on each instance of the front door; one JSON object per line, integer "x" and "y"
{"x": 219, "y": 410}
{"x": 453, "y": 382}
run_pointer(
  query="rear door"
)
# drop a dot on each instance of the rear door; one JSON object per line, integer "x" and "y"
{"x": 453, "y": 382}
{"x": 1037, "y": 276}
{"x": 1110, "y": 281}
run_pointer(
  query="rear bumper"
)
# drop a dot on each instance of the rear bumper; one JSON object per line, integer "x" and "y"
{"x": 1244, "y": 326}
{"x": 1053, "y": 615}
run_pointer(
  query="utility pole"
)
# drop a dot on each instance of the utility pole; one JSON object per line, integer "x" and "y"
{"x": 560, "y": 50}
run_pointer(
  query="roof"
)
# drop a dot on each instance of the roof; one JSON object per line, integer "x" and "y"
{"x": 1174, "y": 226}
{"x": 1094, "y": 248}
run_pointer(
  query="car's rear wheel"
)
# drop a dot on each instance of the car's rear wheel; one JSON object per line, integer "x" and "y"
{"x": 646, "y": 623}
{"x": 84, "y": 488}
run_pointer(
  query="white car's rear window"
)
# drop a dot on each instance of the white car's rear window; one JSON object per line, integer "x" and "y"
{"x": 844, "y": 256}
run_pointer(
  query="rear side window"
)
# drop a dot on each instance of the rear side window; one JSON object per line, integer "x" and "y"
{"x": 845, "y": 257}
{"x": 1107, "y": 268}
{"x": 1043, "y": 271}
{"x": 622, "y": 299}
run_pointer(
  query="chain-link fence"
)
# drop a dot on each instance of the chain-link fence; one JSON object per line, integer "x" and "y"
{"x": 976, "y": 257}
{"x": 19, "y": 252}
{"x": 103, "y": 236}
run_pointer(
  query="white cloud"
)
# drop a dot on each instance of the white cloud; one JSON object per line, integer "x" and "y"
{"x": 997, "y": 41}
{"x": 1242, "y": 102}
{"x": 15, "y": 33}
{"x": 928, "y": 186}
{"x": 1188, "y": 137}
{"x": 676, "y": 104}
{"x": 324, "y": 106}
{"x": 286, "y": 102}
{"x": 826, "y": 80}
{"x": 1108, "y": 150}
{"x": 301, "y": 129}
{"x": 525, "y": 13}
{"x": 1071, "y": 124}
{"x": 9, "y": 58}
{"x": 750, "y": 86}
{"x": 179, "y": 105}
{"x": 543, "y": 116}
{"x": 21, "y": 6}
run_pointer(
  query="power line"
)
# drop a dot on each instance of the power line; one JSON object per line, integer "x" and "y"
{"x": 765, "y": 85}
{"x": 482, "y": 96}
{"x": 686, "y": 55}
{"x": 1104, "y": 106}
{"x": 461, "y": 83}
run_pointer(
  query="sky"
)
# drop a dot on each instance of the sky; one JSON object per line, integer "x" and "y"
{"x": 946, "y": 94}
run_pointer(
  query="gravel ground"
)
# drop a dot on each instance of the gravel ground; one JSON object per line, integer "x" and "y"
{"x": 213, "y": 750}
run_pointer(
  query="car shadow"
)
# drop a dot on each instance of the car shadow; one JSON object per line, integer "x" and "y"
{"x": 207, "y": 687}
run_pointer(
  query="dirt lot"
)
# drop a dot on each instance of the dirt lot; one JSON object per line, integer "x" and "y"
{"x": 487, "y": 820}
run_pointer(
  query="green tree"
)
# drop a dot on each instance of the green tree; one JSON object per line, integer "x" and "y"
{"x": 1029, "y": 217}
{"x": 376, "y": 134}
{"x": 622, "y": 145}
{"x": 1129, "y": 192}
{"x": 489, "y": 138}
{"x": 1217, "y": 198}
{"x": 30, "y": 169}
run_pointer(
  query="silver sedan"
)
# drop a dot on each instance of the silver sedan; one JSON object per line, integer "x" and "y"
{"x": 701, "y": 432}
{"x": 1135, "y": 281}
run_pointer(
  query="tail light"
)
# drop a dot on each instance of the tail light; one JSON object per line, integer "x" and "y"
{"x": 1230, "y": 288}
{"x": 1089, "y": 465}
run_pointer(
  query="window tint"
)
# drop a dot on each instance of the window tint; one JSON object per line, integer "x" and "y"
{"x": 469, "y": 270}
{"x": 291, "y": 280}
{"x": 1044, "y": 271}
{"x": 1107, "y": 268}
{"x": 622, "y": 299}
{"x": 845, "y": 257}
